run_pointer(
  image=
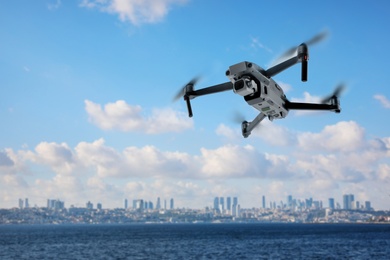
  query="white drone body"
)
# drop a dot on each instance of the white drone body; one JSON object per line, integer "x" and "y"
{"x": 261, "y": 92}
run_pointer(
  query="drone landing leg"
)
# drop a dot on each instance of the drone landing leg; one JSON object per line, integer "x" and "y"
{"x": 247, "y": 127}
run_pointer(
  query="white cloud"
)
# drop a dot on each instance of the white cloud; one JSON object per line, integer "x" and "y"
{"x": 325, "y": 161}
{"x": 124, "y": 117}
{"x": 59, "y": 157}
{"x": 383, "y": 100}
{"x": 135, "y": 11}
{"x": 229, "y": 133}
{"x": 5, "y": 160}
{"x": 274, "y": 134}
{"x": 341, "y": 137}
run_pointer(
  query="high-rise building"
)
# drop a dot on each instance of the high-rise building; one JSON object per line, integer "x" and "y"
{"x": 235, "y": 207}
{"x": 309, "y": 203}
{"x": 229, "y": 204}
{"x": 289, "y": 201}
{"x": 55, "y": 204}
{"x": 351, "y": 201}
{"x": 263, "y": 199}
{"x": 331, "y": 203}
{"x": 222, "y": 204}
{"x": 89, "y": 205}
{"x": 158, "y": 204}
{"x": 150, "y": 205}
{"x": 99, "y": 206}
{"x": 26, "y": 204}
{"x": 172, "y": 204}
{"x": 367, "y": 205}
{"x": 139, "y": 204}
{"x": 126, "y": 203}
{"x": 20, "y": 203}
{"x": 216, "y": 203}
{"x": 348, "y": 201}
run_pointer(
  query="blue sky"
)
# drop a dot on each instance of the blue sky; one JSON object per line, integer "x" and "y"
{"x": 87, "y": 114}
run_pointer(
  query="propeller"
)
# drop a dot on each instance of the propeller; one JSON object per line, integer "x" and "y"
{"x": 184, "y": 91}
{"x": 189, "y": 86}
{"x": 238, "y": 117}
{"x": 316, "y": 39}
{"x": 336, "y": 93}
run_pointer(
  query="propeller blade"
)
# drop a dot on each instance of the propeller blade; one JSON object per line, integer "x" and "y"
{"x": 183, "y": 90}
{"x": 238, "y": 117}
{"x": 336, "y": 93}
{"x": 290, "y": 52}
{"x": 317, "y": 38}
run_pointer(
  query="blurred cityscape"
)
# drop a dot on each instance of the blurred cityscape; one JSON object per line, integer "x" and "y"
{"x": 223, "y": 210}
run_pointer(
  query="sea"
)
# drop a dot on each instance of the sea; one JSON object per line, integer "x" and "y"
{"x": 196, "y": 241}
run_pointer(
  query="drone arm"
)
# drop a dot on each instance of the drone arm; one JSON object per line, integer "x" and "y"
{"x": 281, "y": 66}
{"x": 301, "y": 56}
{"x": 190, "y": 93}
{"x": 247, "y": 127}
{"x": 210, "y": 90}
{"x": 334, "y": 106}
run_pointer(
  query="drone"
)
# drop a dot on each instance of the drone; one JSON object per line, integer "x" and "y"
{"x": 260, "y": 91}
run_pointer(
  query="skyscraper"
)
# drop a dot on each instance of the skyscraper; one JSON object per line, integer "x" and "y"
{"x": 158, "y": 204}
{"x": 222, "y": 204}
{"x": 289, "y": 201}
{"x": 351, "y": 201}
{"x": 216, "y": 203}
{"x": 235, "y": 207}
{"x": 263, "y": 202}
{"x": 89, "y": 205}
{"x": 26, "y": 204}
{"x": 346, "y": 201}
{"x": 126, "y": 203}
{"x": 367, "y": 205}
{"x": 229, "y": 203}
{"x": 172, "y": 206}
{"x": 20, "y": 203}
{"x": 331, "y": 203}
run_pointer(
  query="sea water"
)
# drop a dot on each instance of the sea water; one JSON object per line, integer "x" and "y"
{"x": 196, "y": 241}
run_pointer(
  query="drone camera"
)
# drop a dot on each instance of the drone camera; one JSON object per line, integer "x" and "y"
{"x": 245, "y": 87}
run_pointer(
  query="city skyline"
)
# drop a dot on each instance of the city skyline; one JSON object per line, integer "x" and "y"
{"x": 87, "y": 111}
{"x": 232, "y": 206}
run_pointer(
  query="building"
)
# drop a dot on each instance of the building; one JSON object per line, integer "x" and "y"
{"x": 126, "y": 204}
{"x": 348, "y": 201}
{"x": 20, "y": 203}
{"x": 172, "y": 204}
{"x": 367, "y": 205}
{"x": 222, "y": 204}
{"x": 99, "y": 206}
{"x": 263, "y": 199}
{"x": 229, "y": 204}
{"x": 158, "y": 204}
{"x": 26, "y": 204}
{"x": 55, "y": 204}
{"x": 89, "y": 205}
{"x": 235, "y": 207}
{"x": 331, "y": 203}
{"x": 216, "y": 203}
{"x": 289, "y": 201}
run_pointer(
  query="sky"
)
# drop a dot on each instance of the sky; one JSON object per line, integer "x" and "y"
{"x": 86, "y": 90}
